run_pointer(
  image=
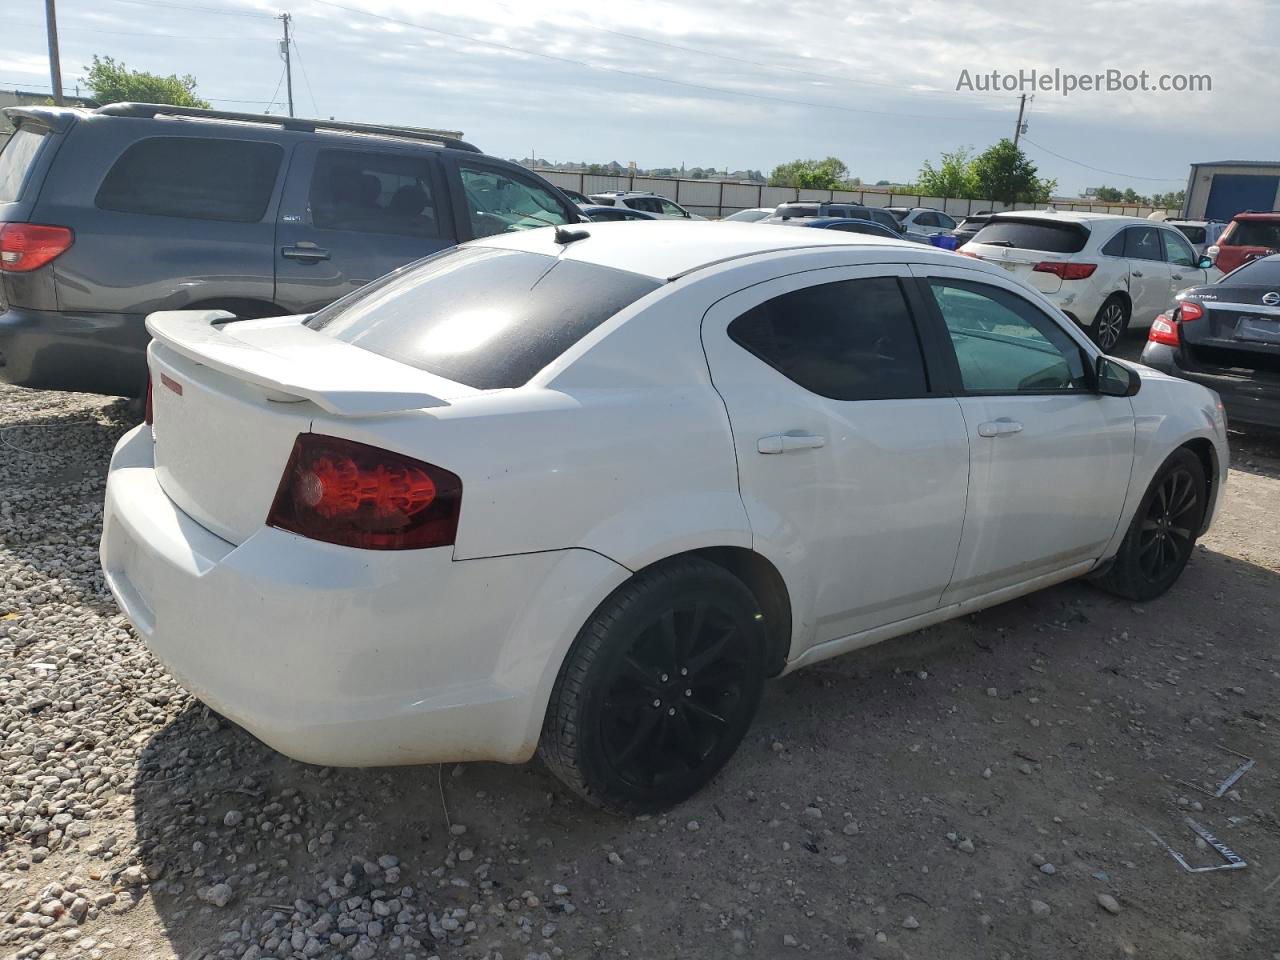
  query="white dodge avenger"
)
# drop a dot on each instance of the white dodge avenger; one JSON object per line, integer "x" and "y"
{"x": 581, "y": 491}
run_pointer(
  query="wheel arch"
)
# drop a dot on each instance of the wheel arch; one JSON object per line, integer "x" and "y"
{"x": 1207, "y": 454}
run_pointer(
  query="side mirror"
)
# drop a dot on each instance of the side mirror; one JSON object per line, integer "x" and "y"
{"x": 1113, "y": 379}
{"x": 1206, "y": 263}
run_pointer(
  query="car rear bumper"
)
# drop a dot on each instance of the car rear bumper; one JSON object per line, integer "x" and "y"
{"x": 1247, "y": 399}
{"x": 339, "y": 656}
{"x": 87, "y": 352}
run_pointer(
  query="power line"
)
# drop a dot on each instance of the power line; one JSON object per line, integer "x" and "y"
{"x": 136, "y": 33}
{"x": 185, "y": 6}
{"x": 641, "y": 76}
{"x": 1114, "y": 173}
{"x": 306, "y": 79}
{"x": 272, "y": 102}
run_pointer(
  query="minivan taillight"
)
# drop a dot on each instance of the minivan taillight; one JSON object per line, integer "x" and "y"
{"x": 357, "y": 495}
{"x": 29, "y": 246}
{"x": 1066, "y": 270}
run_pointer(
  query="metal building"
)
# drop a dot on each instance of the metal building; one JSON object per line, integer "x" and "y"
{"x": 1223, "y": 188}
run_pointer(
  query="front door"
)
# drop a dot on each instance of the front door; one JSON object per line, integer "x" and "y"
{"x": 352, "y": 214}
{"x": 852, "y": 467}
{"x": 1050, "y": 457}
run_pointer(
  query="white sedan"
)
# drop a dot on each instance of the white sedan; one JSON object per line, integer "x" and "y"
{"x": 583, "y": 490}
{"x": 1105, "y": 271}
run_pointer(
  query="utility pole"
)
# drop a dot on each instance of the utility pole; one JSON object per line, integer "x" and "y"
{"x": 55, "y": 65}
{"x": 288, "y": 64}
{"x": 1017, "y": 131}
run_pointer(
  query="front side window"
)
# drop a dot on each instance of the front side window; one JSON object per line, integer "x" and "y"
{"x": 848, "y": 340}
{"x": 671, "y": 210}
{"x": 500, "y": 202}
{"x": 482, "y": 316}
{"x": 1003, "y": 344}
{"x": 374, "y": 193}
{"x": 945, "y": 221}
{"x": 1178, "y": 251}
{"x": 200, "y": 178}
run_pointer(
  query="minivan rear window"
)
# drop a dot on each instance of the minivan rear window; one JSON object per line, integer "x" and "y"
{"x": 199, "y": 178}
{"x": 1034, "y": 235}
{"x": 482, "y": 316}
{"x": 16, "y": 158}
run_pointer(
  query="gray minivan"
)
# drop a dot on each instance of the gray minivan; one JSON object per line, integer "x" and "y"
{"x": 108, "y": 215}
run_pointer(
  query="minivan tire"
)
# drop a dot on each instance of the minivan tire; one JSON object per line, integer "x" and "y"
{"x": 658, "y": 688}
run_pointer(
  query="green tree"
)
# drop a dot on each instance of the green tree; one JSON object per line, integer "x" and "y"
{"x": 1109, "y": 195}
{"x": 953, "y": 177}
{"x": 113, "y": 82}
{"x": 828, "y": 174}
{"x": 1169, "y": 201}
{"x": 1003, "y": 172}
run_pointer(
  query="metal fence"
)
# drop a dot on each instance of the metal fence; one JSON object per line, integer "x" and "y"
{"x": 717, "y": 198}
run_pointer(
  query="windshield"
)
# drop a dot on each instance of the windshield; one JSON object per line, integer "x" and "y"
{"x": 482, "y": 316}
{"x": 1034, "y": 235}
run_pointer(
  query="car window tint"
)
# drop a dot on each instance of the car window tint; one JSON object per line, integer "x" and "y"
{"x": 849, "y": 340}
{"x": 945, "y": 221}
{"x": 373, "y": 193}
{"x": 1194, "y": 234}
{"x": 502, "y": 201}
{"x": 1004, "y": 344}
{"x": 1254, "y": 233}
{"x": 1177, "y": 250}
{"x": 1115, "y": 246}
{"x": 1034, "y": 235}
{"x": 16, "y": 159}
{"x": 1264, "y": 272}
{"x": 926, "y": 219}
{"x": 1142, "y": 243}
{"x": 482, "y": 316}
{"x": 198, "y": 178}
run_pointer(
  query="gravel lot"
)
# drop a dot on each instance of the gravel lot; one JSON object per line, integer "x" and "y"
{"x": 979, "y": 789}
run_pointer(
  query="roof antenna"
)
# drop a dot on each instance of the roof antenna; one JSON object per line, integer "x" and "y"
{"x": 565, "y": 236}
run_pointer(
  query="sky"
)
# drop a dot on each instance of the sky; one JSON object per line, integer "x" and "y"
{"x": 722, "y": 83}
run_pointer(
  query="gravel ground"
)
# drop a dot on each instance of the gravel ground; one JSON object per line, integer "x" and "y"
{"x": 978, "y": 789}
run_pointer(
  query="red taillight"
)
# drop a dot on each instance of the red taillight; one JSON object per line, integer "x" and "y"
{"x": 1164, "y": 330}
{"x": 29, "y": 246}
{"x": 1065, "y": 270}
{"x": 1191, "y": 310}
{"x": 352, "y": 494}
{"x": 148, "y": 409}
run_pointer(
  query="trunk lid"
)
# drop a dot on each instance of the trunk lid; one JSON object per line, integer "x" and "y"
{"x": 1020, "y": 263}
{"x": 1238, "y": 331}
{"x": 229, "y": 399}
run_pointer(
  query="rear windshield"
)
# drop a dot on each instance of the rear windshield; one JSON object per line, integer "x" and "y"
{"x": 1194, "y": 234}
{"x": 1262, "y": 273}
{"x": 16, "y": 158}
{"x": 482, "y": 316}
{"x": 797, "y": 210}
{"x": 1254, "y": 233}
{"x": 1033, "y": 235}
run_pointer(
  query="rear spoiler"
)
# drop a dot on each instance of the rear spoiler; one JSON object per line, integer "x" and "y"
{"x": 294, "y": 363}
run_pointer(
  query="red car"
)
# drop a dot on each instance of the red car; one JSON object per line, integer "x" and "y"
{"x": 1248, "y": 236}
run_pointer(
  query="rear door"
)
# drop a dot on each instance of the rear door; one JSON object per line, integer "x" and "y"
{"x": 1150, "y": 276}
{"x": 852, "y": 466}
{"x": 352, "y": 213}
{"x": 1050, "y": 458}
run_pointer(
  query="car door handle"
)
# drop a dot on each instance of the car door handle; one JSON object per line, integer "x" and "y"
{"x": 999, "y": 428}
{"x": 308, "y": 252}
{"x": 786, "y": 442}
{"x": 1177, "y": 276}
{"x": 1137, "y": 273}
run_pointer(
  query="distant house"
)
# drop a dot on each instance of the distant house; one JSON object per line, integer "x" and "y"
{"x": 29, "y": 98}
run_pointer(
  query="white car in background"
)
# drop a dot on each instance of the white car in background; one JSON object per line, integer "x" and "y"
{"x": 582, "y": 490}
{"x": 921, "y": 223}
{"x": 1202, "y": 233}
{"x": 646, "y": 202}
{"x": 1106, "y": 272}
{"x": 753, "y": 215}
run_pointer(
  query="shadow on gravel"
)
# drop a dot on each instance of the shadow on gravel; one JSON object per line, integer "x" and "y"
{"x": 1055, "y": 725}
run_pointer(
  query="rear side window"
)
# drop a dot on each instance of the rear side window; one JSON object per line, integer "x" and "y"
{"x": 1034, "y": 235}
{"x": 374, "y": 193}
{"x": 849, "y": 340}
{"x": 1254, "y": 233}
{"x": 196, "y": 178}
{"x": 1140, "y": 243}
{"x": 482, "y": 316}
{"x": 16, "y": 159}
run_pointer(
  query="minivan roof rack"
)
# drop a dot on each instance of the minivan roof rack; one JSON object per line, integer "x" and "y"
{"x": 446, "y": 138}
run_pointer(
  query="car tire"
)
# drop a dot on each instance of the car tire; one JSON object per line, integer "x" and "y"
{"x": 1163, "y": 533}
{"x": 1110, "y": 322}
{"x": 658, "y": 689}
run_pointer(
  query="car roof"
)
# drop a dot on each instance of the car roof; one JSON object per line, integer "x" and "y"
{"x": 1071, "y": 216}
{"x": 665, "y": 249}
{"x": 1258, "y": 215}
